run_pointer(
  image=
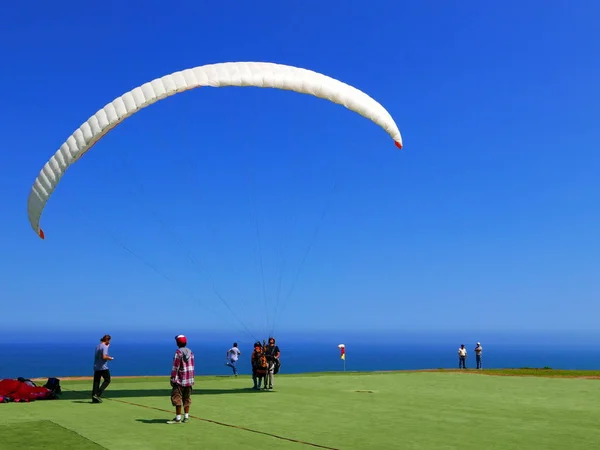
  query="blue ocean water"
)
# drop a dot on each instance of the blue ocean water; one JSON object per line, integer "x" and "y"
{"x": 153, "y": 357}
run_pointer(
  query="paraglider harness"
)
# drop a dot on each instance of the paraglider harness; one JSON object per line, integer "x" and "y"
{"x": 260, "y": 365}
{"x": 53, "y": 384}
{"x": 14, "y": 392}
{"x": 272, "y": 361}
{"x": 263, "y": 360}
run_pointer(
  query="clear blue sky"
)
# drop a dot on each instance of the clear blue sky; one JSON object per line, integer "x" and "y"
{"x": 488, "y": 219}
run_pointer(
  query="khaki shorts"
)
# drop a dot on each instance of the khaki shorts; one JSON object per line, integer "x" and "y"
{"x": 181, "y": 395}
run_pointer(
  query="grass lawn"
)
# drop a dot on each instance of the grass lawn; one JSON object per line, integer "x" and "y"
{"x": 396, "y": 410}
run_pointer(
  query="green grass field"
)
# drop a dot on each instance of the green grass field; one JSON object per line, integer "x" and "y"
{"x": 386, "y": 410}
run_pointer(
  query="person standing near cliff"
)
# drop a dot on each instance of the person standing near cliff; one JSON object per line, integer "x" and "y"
{"x": 182, "y": 380}
{"x": 101, "y": 369}
{"x": 478, "y": 351}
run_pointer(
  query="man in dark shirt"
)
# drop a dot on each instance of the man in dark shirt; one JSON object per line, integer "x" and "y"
{"x": 273, "y": 353}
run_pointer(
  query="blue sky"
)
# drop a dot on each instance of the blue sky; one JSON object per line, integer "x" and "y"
{"x": 486, "y": 220}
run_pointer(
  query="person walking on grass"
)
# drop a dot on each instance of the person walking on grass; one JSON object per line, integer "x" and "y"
{"x": 232, "y": 358}
{"x": 101, "y": 370}
{"x": 182, "y": 380}
{"x": 462, "y": 357}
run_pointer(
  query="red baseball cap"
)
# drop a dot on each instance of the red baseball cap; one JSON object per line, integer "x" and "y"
{"x": 181, "y": 339}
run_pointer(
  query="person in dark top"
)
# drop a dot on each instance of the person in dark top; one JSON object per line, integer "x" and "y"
{"x": 259, "y": 365}
{"x": 273, "y": 353}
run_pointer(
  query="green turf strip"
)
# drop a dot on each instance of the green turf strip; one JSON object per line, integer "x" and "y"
{"x": 342, "y": 411}
{"x": 41, "y": 434}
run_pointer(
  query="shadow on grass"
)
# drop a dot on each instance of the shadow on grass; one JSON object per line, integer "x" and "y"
{"x": 161, "y": 421}
{"x": 76, "y": 396}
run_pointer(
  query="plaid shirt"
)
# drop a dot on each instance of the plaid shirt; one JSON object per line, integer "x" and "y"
{"x": 182, "y": 372}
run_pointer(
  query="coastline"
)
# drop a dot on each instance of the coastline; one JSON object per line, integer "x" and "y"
{"x": 514, "y": 372}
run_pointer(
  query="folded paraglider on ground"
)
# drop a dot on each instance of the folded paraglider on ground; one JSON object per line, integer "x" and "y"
{"x": 25, "y": 390}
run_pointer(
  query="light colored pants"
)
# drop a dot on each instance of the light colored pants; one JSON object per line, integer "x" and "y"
{"x": 231, "y": 363}
{"x": 270, "y": 376}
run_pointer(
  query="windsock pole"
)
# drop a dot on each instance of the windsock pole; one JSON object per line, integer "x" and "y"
{"x": 342, "y": 348}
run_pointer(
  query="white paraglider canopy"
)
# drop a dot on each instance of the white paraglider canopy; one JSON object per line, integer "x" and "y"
{"x": 257, "y": 74}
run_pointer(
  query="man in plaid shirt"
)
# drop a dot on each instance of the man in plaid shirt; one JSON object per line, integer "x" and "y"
{"x": 182, "y": 380}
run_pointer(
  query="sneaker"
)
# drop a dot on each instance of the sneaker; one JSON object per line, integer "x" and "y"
{"x": 96, "y": 399}
{"x": 184, "y": 420}
{"x": 174, "y": 421}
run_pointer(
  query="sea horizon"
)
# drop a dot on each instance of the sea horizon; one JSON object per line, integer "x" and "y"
{"x": 138, "y": 354}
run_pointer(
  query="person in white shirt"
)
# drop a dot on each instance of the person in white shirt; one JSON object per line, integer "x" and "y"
{"x": 478, "y": 351}
{"x": 462, "y": 357}
{"x": 232, "y": 357}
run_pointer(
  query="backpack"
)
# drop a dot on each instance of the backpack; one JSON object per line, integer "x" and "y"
{"x": 277, "y": 366}
{"x": 53, "y": 385}
{"x": 260, "y": 363}
{"x": 274, "y": 362}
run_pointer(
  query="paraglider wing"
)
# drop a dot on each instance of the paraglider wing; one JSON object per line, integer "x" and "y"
{"x": 256, "y": 74}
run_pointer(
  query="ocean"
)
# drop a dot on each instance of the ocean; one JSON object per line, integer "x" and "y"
{"x": 153, "y": 356}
